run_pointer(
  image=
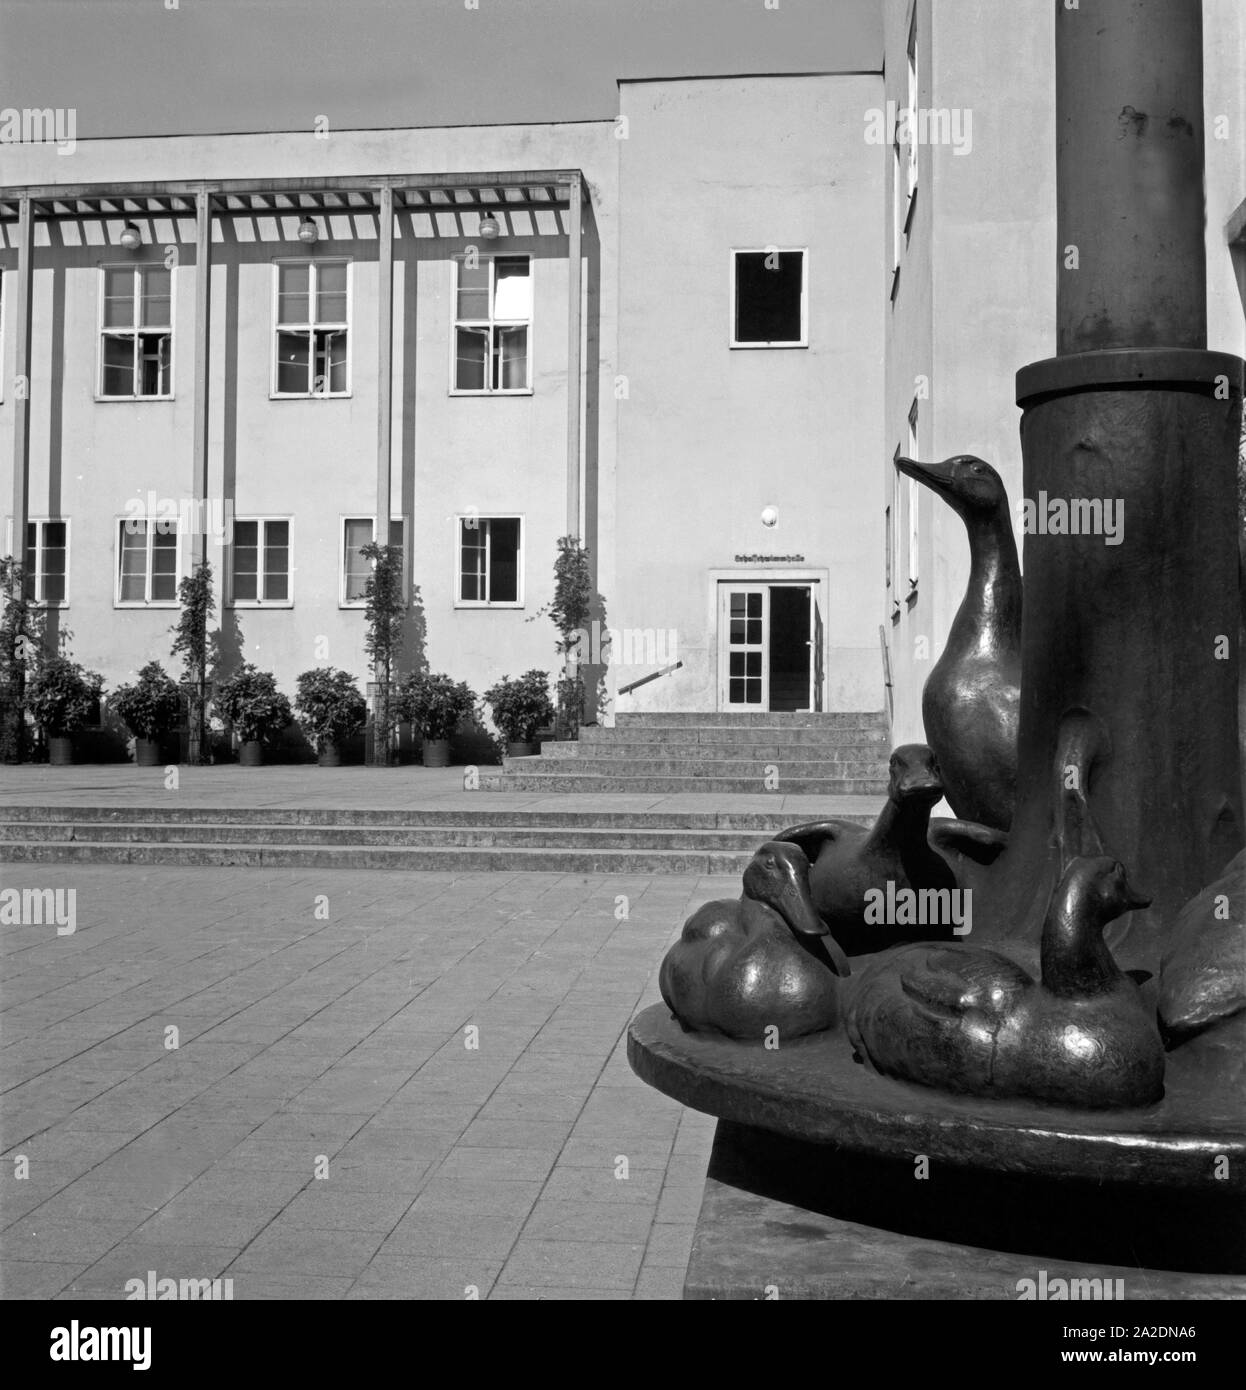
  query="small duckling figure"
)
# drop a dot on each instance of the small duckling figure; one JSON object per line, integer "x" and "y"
{"x": 741, "y": 967}
{"x": 968, "y": 1020}
{"x": 850, "y": 862}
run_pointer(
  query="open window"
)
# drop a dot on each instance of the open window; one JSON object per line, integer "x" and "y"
{"x": 490, "y": 562}
{"x": 355, "y": 567}
{"x": 136, "y": 332}
{"x": 492, "y": 324}
{"x": 311, "y": 329}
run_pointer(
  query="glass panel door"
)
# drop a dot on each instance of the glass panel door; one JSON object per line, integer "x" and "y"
{"x": 743, "y": 635}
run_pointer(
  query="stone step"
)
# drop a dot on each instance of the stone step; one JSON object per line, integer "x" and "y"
{"x": 665, "y": 786}
{"x": 692, "y": 735}
{"x": 416, "y": 837}
{"x": 727, "y": 719}
{"x": 482, "y": 817}
{"x": 439, "y": 859}
{"x": 712, "y": 768}
{"x": 873, "y": 754}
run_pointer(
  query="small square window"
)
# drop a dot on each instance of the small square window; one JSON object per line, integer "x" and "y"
{"x": 260, "y": 562}
{"x": 490, "y": 569}
{"x": 356, "y": 567}
{"x": 147, "y": 563}
{"x": 768, "y": 299}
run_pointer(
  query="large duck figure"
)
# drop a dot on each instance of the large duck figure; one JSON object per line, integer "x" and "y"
{"x": 902, "y": 849}
{"x": 971, "y": 699}
{"x": 760, "y": 962}
{"x": 969, "y": 1020}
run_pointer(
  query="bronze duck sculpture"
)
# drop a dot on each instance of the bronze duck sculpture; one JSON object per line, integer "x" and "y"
{"x": 745, "y": 965}
{"x": 971, "y": 699}
{"x": 849, "y": 862}
{"x": 969, "y": 1020}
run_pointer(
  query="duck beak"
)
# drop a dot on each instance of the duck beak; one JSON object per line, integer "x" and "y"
{"x": 936, "y": 476}
{"x": 922, "y": 785}
{"x": 1135, "y": 900}
{"x": 798, "y": 911}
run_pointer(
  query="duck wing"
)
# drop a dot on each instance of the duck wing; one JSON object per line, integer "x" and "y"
{"x": 811, "y": 836}
{"x": 981, "y": 843}
{"x": 951, "y": 982}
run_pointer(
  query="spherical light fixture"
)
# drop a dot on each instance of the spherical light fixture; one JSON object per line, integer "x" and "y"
{"x": 769, "y": 516}
{"x": 490, "y": 227}
{"x": 308, "y": 233}
{"x": 131, "y": 237}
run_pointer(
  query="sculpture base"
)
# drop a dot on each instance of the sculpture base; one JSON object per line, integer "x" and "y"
{"x": 1120, "y": 1187}
{"x": 755, "y": 1239}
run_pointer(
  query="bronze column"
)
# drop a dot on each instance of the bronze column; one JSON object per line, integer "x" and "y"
{"x": 1133, "y": 411}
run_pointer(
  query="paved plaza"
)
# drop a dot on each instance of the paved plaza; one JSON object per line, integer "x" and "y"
{"x": 340, "y": 1084}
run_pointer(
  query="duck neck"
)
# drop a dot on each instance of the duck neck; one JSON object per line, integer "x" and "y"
{"x": 991, "y": 610}
{"x": 900, "y": 823}
{"x": 1076, "y": 962}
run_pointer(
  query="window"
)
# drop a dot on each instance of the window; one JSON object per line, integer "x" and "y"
{"x": 136, "y": 332}
{"x": 915, "y": 489}
{"x": 46, "y": 562}
{"x": 260, "y": 562}
{"x": 912, "y": 106}
{"x": 768, "y": 298}
{"x": 311, "y": 329}
{"x": 357, "y": 531}
{"x": 492, "y": 316}
{"x": 147, "y": 562}
{"x": 490, "y": 569}
{"x": 2, "y": 334}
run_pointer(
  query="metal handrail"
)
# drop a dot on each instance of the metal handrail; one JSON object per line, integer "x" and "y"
{"x": 652, "y": 676}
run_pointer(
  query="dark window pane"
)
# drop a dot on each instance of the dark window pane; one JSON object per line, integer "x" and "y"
{"x": 293, "y": 293}
{"x": 504, "y": 560}
{"x": 473, "y": 294}
{"x": 471, "y": 353}
{"x": 292, "y": 362}
{"x": 118, "y": 367}
{"x": 510, "y": 362}
{"x": 164, "y": 562}
{"x": 118, "y": 298}
{"x": 157, "y": 292}
{"x": 331, "y": 293}
{"x": 767, "y": 304}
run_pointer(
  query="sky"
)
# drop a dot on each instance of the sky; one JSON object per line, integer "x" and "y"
{"x": 141, "y": 67}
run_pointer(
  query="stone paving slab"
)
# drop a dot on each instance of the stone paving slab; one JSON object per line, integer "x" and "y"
{"x": 272, "y": 1077}
{"x": 365, "y": 788}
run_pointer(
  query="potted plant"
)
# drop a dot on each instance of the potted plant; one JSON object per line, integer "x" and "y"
{"x": 521, "y": 707}
{"x": 435, "y": 704}
{"x": 150, "y": 709}
{"x": 330, "y": 709}
{"x": 255, "y": 707}
{"x": 60, "y": 697}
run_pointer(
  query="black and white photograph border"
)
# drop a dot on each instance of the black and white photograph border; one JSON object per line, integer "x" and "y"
{"x": 620, "y": 673}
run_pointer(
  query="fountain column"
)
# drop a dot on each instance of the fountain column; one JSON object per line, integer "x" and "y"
{"x": 1135, "y": 414}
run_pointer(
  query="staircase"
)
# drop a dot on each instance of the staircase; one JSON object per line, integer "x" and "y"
{"x": 572, "y": 841}
{"x": 819, "y": 754}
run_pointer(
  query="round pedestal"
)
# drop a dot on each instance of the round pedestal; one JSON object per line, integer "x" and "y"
{"x": 1193, "y": 1141}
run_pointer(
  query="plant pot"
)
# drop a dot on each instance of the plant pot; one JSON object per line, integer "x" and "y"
{"x": 147, "y": 752}
{"x": 520, "y": 748}
{"x": 330, "y": 755}
{"x": 251, "y": 753}
{"x": 60, "y": 750}
{"x": 436, "y": 752}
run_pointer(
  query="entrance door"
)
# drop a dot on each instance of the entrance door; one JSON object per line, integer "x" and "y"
{"x": 818, "y": 639}
{"x": 743, "y": 670}
{"x": 769, "y": 647}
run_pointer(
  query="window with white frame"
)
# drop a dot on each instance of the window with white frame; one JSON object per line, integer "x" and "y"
{"x": 912, "y": 108}
{"x": 147, "y": 563}
{"x": 357, "y": 531}
{"x": 136, "y": 332}
{"x": 914, "y": 502}
{"x": 490, "y": 563}
{"x": 492, "y": 323}
{"x": 260, "y": 562}
{"x": 45, "y": 563}
{"x": 311, "y": 328}
{"x": 768, "y": 299}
